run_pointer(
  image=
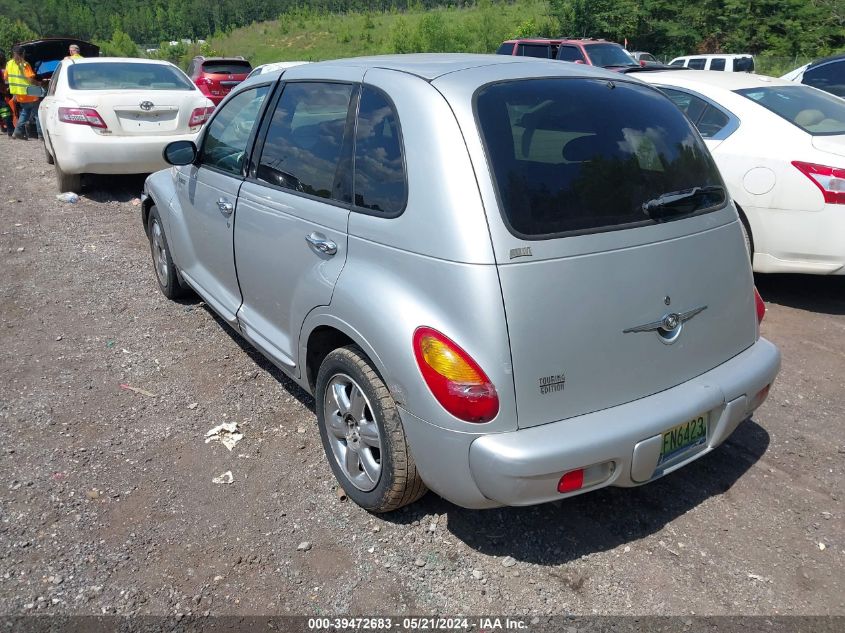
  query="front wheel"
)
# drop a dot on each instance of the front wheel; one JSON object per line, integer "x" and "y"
{"x": 166, "y": 273}
{"x": 362, "y": 433}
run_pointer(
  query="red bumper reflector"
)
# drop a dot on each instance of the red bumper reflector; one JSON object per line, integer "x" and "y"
{"x": 573, "y": 480}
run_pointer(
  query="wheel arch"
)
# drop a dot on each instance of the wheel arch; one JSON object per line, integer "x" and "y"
{"x": 746, "y": 223}
{"x": 322, "y": 333}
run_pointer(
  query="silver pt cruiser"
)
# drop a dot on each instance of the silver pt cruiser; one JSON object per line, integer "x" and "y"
{"x": 505, "y": 279}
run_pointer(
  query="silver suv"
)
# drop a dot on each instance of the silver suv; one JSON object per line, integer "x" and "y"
{"x": 504, "y": 279}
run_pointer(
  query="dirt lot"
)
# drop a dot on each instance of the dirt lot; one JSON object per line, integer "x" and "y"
{"x": 107, "y": 503}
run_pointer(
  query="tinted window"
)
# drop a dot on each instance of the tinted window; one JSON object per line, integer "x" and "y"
{"x": 711, "y": 122}
{"x": 379, "y": 165}
{"x": 224, "y": 146}
{"x": 231, "y": 67}
{"x": 304, "y": 142}
{"x": 127, "y": 76}
{"x": 813, "y": 111}
{"x": 691, "y": 106}
{"x": 505, "y": 49}
{"x": 535, "y": 50}
{"x": 570, "y": 54}
{"x": 717, "y": 63}
{"x": 677, "y": 62}
{"x": 829, "y": 77}
{"x": 648, "y": 57}
{"x": 609, "y": 55}
{"x": 697, "y": 64}
{"x": 51, "y": 90}
{"x": 744, "y": 64}
{"x": 585, "y": 155}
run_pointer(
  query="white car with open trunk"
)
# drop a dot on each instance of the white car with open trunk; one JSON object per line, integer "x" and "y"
{"x": 115, "y": 115}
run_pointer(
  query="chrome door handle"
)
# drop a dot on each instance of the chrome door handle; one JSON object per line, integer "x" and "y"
{"x": 321, "y": 244}
{"x": 225, "y": 206}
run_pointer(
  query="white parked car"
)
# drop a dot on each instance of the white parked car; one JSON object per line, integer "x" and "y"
{"x": 737, "y": 63}
{"x": 781, "y": 150}
{"x": 115, "y": 115}
{"x": 268, "y": 68}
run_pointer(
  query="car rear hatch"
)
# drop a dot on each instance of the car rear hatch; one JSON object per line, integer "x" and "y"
{"x": 136, "y": 98}
{"x": 45, "y": 54}
{"x": 221, "y": 75}
{"x": 622, "y": 266}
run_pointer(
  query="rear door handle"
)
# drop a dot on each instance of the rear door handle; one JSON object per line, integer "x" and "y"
{"x": 225, "y": 206}
{"x": 320, "y": 244}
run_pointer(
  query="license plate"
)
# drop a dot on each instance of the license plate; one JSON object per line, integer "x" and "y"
{"x": 682, "y": 438}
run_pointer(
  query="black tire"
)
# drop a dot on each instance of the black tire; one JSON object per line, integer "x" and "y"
{"x": 50, "y": 160}
{"x": 67, "y": 182}
{"x": 167, "y": 275}
{"x": 746, "y": 235}
{"x": 399, "y": 482}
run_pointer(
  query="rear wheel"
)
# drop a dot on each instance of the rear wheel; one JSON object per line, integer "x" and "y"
{"x": 67, "y": 182}
{"x": 362, "y": 433}
{"x": 166, "y": 273}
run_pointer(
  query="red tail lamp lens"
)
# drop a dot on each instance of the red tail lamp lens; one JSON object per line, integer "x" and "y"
{"x": 454, "y": 378}
{"x": 761, "y": 307}
{"x": 573, "y": 480}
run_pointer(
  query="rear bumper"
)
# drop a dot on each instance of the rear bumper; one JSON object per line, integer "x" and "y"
{"x": 90, "y": 154}
{"x": 523, "y": 467}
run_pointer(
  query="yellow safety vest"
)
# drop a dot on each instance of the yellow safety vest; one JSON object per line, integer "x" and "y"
{"x": 19, "y": 79}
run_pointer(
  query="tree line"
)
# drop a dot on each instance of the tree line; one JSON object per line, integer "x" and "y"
{"x": 669, "y": 27}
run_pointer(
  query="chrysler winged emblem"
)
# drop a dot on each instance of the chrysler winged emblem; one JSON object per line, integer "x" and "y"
{"x": 147, "y": 105}
{"x": 668, "y": 327}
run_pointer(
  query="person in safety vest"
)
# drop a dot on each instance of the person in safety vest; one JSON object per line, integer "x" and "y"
{"x": 73, "y": 52}
{"x": 20, "y": 76}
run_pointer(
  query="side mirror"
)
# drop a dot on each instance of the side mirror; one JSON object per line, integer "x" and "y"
{"x": 180, "y": 153}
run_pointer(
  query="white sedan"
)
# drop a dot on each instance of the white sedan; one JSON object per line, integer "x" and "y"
{"x": 781, "y": 150}
{"x": 115, "y": 115}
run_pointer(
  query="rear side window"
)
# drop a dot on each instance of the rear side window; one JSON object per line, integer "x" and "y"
{"x": 535, "y": 50}
{"x": 717, "y": 63}
{"x": 584, "y": 155}
{"x": 744, "y": 64}
{"x": 304, "y": 143}
{"x": 231, "y": 67}
{"x": 505, "y": 49}
{"x": 828, "y": 77}
{"x": 708, "y": 119}
{"x": 126, "y": 76}
{"x": 570, "y": 54}
{"x": 697, "y": 64}
{"x": 379, "y": 181}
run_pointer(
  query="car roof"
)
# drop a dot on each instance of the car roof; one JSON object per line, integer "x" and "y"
{"x": 825, "y": 60}
{"x": 427, "y": 66}
{"x": 711, "y": 55}
{"x": 129, "y": 60}
{"x": 712, "y": 78}
{"x": 431, "y": 66}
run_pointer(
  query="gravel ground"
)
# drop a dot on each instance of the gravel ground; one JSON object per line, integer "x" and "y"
{"x": 107, "y": 503}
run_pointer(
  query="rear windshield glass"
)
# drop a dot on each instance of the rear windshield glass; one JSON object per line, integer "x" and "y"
{"x": 580, "y": 156}
{"x": 609, "y": 55}
{"x": 814, "y": 111}
{"x": 227, "y": 67}
{"x": 126, "y": 76}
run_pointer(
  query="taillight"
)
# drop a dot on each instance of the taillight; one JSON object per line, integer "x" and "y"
{"x": 82, "y": 116}
{"x": 831, "y": 180}
{"x": 455, "y": 379}
{"x": 761, "y": 307}
{"x": 199, "y": 116}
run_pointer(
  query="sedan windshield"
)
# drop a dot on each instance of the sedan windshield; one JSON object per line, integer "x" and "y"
{"x": 126, "y": 76}
{"x": 814, "y": 111}
{"x": 609, "y": 55}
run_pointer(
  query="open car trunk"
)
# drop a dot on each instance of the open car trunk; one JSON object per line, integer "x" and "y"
{"x": 44, "y": 55}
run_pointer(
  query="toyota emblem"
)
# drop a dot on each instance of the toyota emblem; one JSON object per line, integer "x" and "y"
{"x": 147, "y": 105}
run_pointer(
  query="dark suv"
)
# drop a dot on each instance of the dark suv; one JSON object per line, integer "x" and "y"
{"x": 216, "y": 76}
{"x": 581, "y": 51}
